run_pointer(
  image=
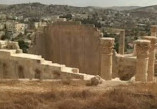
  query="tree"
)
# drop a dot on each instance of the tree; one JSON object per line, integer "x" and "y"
{"x": 67, "y": 16}
{"x": 23, "y": 45}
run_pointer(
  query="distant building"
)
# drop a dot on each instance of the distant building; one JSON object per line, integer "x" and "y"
{"x": 3, "y": 17}
{"x": 10, "y": 25}
{"x": 2, "y": 26}
{"x": 40, "y": 24}
{"x": 80, "y": 16}
{"x": 21, "y": 27}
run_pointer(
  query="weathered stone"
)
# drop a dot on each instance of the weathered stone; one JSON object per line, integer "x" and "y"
{"x": 107, "y": 45}
{"x": 142, "y": 50}
{"x": 96, "y": 81}
{"x": 151, "y": 63}
{"x": 153, "y": 30}
{"x": 75, "y": 70}
{"x": 122, "y": 42}
{"x": 70, "y": 43}
{"x": 82, "y": 46}
{"x": 14, "y": 65}
{"x": 18, "y": 51}
{"x": 134, "y": 51}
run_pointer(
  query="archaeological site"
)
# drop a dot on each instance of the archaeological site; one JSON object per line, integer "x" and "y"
{"x": 68, "y": 49}
{"x": 84, "y": 47}
{"x": 78, "y": 55}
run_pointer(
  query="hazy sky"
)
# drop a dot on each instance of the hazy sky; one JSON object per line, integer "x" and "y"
{"x": 101, "y": 3}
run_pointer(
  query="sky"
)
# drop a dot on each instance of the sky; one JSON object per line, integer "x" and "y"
{"x": 99, "y": 3}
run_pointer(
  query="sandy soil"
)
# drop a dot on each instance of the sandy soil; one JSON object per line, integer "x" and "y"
{"x": 45, "y": 86}
{"x": 35, "y": 94}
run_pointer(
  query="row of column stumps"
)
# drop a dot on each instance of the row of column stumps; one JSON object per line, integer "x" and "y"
{"x": 145, "y": 51}
{"x": 144, "y": 68}
{"x": 148, "y": 73}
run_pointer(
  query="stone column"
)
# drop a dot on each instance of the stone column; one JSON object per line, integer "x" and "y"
{"x": 107, "y": 45}
{"x": 122, "y": 42}
{"x": 134, "y": 51}
{"x": 151, "y": 63}
{"x": 153, "y": 30}
{"x": 142, "y": 50}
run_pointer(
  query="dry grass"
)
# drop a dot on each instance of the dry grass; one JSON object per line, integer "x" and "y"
{"x": 76, "y": 96}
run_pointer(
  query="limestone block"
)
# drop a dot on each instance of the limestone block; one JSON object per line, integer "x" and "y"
{"x": 12, "y": 45}
{"x": 96, "y": 81}
{"x": 71, "y": 75}
{"x": 19, "y": 51}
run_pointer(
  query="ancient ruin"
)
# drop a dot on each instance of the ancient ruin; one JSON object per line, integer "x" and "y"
{"x": 17, "y": 65}
{"x": 83, "y": 49}
{"x": 151, "y": 64}
{"x": 107, "y": 45}
{"x": 70, "y": 43}
{"x": 142, "y": 50}
{"x": 153, "y": 30}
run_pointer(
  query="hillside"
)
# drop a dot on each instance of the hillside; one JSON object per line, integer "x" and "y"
{"x": 2, "y": 6}
{"x": 150, "y": 9}
{"x": 38, "y": 9}
{"x": 123, "y": 8}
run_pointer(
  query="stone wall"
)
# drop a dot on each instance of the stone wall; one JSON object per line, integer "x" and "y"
{"x": 78, "y": 45}
{"x": 124, "y": 66}
{"x": 83, "y": 47}
{"x": 70, "y": 43}
{"x": 15, "y": 65}
{"x": 9, "y": 45}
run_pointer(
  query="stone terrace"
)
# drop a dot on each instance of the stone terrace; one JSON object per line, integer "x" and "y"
{"x": 15, "y": 65}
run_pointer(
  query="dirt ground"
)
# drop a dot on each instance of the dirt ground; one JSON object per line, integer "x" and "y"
{"x": 26, "y": 94}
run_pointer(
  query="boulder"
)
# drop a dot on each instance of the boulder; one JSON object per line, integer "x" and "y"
{"x": 95, "y": 81}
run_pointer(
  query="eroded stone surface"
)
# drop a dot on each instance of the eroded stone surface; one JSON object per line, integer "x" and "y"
{"x": 82, "y": 46}
{"x": 142, "y": 49}
{"x": 70, "y": 43}
{"x": 151, "y": 63}
{"x": 107, "y": 45}
{"x": 15, "y": 65}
